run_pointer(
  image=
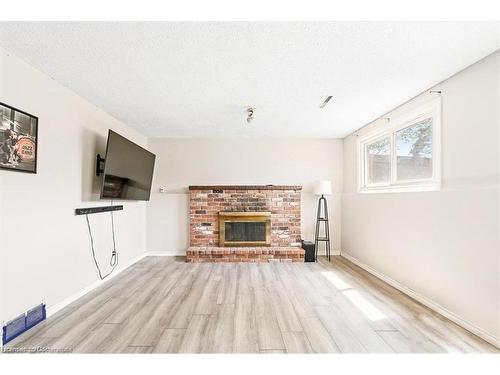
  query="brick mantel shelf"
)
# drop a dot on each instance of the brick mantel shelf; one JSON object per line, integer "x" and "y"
{"x": 246, "y": 187}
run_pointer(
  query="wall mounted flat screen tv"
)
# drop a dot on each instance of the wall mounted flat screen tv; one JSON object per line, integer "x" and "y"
{"x": 128, "y": 170}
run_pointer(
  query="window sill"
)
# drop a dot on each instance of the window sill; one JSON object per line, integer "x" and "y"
{"x": 400, "y": 189}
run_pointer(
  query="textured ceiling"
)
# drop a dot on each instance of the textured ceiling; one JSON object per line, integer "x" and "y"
{"x": 196, "y": 79}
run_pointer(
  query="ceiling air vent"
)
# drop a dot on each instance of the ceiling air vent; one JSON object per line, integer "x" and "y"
{"x": 325, "y": 102}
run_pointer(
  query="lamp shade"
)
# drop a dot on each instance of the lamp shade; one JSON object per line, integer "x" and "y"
{"x": 323, "y": 187}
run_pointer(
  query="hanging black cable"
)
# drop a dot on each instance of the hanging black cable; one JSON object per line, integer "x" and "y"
{"x": 114, "y": 254}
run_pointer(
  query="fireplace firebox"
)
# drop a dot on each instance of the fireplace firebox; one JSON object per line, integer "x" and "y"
{"x": 244, "y": 229}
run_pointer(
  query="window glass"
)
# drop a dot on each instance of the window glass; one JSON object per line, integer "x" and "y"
{"x": 414, "y": 151}
{"x": 378, "y": 161}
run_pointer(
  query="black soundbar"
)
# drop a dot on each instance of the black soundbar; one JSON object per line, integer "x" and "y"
{"x": 97, "y": 210}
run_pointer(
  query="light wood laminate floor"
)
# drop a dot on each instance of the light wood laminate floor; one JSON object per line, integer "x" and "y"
{"x": 163, "y": 305}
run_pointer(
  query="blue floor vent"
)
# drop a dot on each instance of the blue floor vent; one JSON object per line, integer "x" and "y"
{"x": 23, "y": 322}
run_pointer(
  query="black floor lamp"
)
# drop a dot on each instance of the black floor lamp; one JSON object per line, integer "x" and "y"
{"x": 322, "y": 188}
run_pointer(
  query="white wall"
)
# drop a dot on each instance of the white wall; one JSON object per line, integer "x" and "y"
{"x": 184, "y": 162}
{"x": 44, "y": 247}
{"x": 443, "y": 245}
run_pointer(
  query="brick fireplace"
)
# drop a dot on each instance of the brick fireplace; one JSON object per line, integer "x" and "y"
{"x": 222, "y": 215}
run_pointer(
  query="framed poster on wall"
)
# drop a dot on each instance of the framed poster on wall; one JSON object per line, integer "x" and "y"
{"x": 18, "y": 139}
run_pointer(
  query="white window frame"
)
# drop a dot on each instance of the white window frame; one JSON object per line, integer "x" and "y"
{"x": 406, "y": 119}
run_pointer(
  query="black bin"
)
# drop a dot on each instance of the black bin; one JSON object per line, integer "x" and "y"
{"x": 309, "y": 247}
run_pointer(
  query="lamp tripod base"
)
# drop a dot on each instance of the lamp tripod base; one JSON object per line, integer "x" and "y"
{"x": 322, "y": 217}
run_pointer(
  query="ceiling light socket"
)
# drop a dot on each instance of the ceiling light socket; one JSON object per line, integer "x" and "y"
{"x": 250, "y": 114}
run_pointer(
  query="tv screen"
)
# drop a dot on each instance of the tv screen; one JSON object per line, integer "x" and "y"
{"x": 128, "y": 170}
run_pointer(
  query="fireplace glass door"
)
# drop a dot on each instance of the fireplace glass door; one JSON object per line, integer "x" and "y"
{"x": 244, "y": 229}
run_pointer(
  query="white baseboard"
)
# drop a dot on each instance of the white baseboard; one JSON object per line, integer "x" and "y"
{"x": 427, "y": 302}
{"x": 332, "y": 253}
{"x": 51, "y": 310}
{"x": 175, "y": 253}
